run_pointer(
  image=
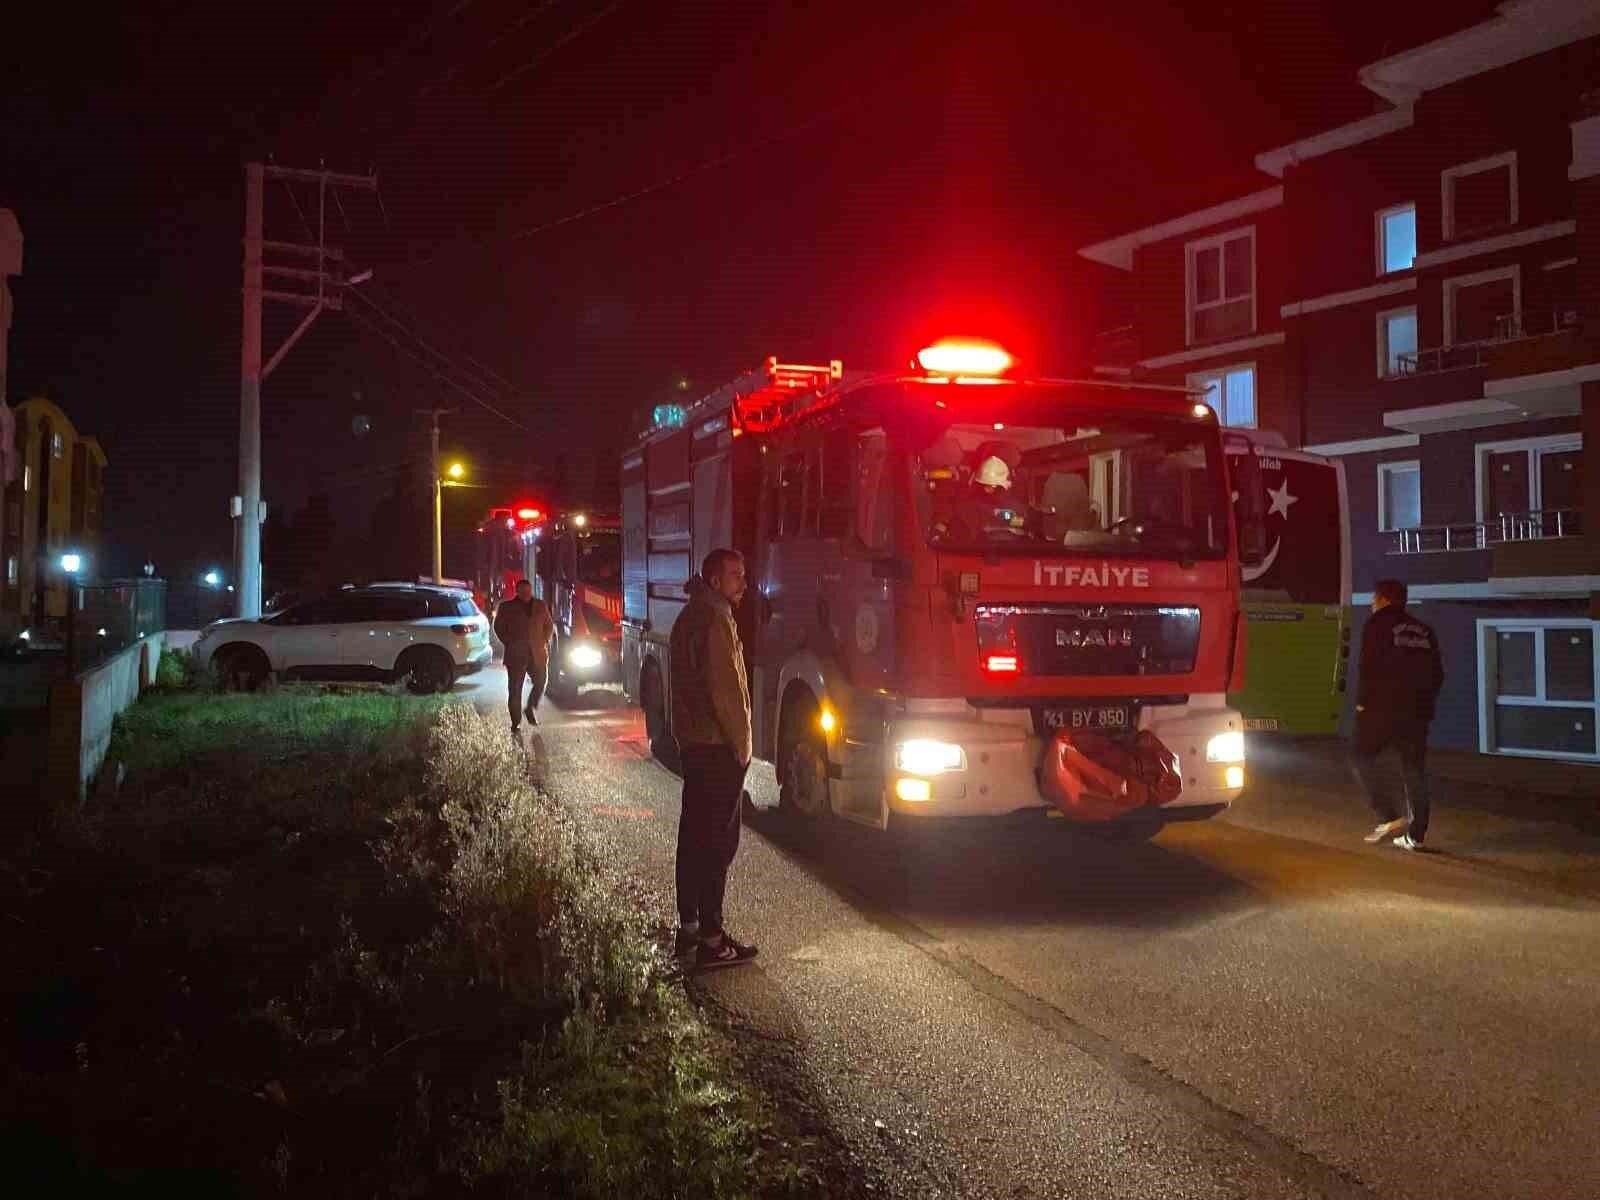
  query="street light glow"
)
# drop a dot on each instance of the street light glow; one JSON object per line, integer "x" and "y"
{"x": 212, "y": 578}
{"x": 456, "y": 470}
{"x": 71, "y": 563}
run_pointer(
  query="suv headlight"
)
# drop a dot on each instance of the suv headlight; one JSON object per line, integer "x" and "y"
{"x": 923, "y": 756}
{"x": 585, "y": 657}
{"x": 1226, "y": 747}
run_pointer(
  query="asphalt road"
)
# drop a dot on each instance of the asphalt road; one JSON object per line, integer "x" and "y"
{"x": 1256, "y": 1006}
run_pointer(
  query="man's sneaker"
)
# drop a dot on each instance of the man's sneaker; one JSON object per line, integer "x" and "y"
{"x": 686, "y": 943}
{"x": 722, "y": 953}
{"x": 1406, "y": 842}
{"x": 1398, "y": 825}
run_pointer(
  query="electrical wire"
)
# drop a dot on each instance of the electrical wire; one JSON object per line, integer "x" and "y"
{"x": 356, "y": 315}
{"x": 709, "y": 164}
{"x": 455, "y": 332}
{"x": 476, "y": 379}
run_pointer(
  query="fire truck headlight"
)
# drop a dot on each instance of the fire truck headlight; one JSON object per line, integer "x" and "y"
{"x": 1226, "y": 748}
{"x": 584, "y": 657}
{"x": 922, "y": 756}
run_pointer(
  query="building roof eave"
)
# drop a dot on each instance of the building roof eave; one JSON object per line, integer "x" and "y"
{"x": 1118, "y": 251}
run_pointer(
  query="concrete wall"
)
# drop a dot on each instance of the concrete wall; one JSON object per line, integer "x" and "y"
{"x": 82, "y": 710}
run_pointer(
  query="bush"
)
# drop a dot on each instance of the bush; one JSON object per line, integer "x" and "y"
{"x": 175, "y": 671}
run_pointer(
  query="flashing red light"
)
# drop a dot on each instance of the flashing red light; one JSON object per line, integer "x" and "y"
{"x": 964, "y": 358}
{"x": 529, "y": 514}
{"x": 1002, "y": 664}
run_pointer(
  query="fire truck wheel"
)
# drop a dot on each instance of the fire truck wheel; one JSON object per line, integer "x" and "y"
{"x": 559, "y": 688}
{"x": 803, "y": 778}
{"x": 662, "y": 744}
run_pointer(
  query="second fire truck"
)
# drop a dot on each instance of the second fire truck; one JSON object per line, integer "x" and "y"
{"x": 973, "y": 594}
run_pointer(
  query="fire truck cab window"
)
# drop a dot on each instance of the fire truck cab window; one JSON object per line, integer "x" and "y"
{"x": 874, "y": 497}
{"x": 791, "y": 496}
{"x": 836, "y": 495}
{"x": 600, "y": 557}
{"x": 1118, "y": 484}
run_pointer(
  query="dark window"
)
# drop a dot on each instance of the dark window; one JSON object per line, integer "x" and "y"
{"x": 398, "y": 606}
{"x": 874, "y": 494}
{"x": 791, "y": 496}
{"x": 350, "y": 608}
{"x": 1548, "y": 730}
{"x": 1482, "y": 200}
{"x": 1568, "y": 664}
{"x": 1515, "y": 659}
{"x": 838, "y": 484}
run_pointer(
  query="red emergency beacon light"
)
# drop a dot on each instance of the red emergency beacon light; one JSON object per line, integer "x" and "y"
{"x": 964, "y": 358}
{"x": 529, "y": 514}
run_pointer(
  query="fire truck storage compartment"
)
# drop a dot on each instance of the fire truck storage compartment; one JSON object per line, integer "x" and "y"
{"x": 689, "y": 492}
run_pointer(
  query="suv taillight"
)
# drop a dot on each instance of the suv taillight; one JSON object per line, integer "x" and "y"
{"x": 463, "y": 630}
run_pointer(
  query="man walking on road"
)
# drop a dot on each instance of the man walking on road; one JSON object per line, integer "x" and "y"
{"x": 524, "y": 626}
{"x": 711, "y": 722}
{"x": 1401, "y": 673}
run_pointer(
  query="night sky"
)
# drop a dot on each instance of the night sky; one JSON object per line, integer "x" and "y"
{"x": 840, "y": 180}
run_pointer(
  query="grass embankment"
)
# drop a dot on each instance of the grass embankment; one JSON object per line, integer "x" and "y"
{"x": 337, "y": 944}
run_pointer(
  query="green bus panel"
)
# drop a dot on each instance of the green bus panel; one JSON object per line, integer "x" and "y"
{"x": 1292, "y": 668}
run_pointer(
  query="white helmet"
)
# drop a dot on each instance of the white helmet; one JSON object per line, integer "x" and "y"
{"x": 993, "y": 472}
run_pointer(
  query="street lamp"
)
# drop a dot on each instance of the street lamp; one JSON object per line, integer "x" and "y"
{"x": 212, "y": 578}
{"x": 71, "y": 563}
{"x": 456, "y": 472}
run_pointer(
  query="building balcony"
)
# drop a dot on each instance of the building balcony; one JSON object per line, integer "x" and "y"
{"x": 1518, "y": 339}
{"x": 1507, "y": 529}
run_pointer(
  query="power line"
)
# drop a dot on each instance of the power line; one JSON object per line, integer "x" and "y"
{"x": 410, "y": 332}
{"x": 447, "y": 327}
{"x": 355, "y": 314}
{"x": 660, "y": 185}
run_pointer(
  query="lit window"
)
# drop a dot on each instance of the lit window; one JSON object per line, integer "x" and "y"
{"x": 1479, "y": 196}
{"x": 1397, "y": 342}
{"x": 11, "y": 570}
{"x": 1231, "y": 393}
{"x": 1221, "y": 273}
{"x": 27, "y": 477}
{"x": 1399, "y": 495}
{"x": 1538, "y": 691}
{"x": 1397, "y": 238}
{"x": 55, "y": 445}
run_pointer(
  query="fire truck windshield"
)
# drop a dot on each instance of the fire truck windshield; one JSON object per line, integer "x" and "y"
{"x": 600, "y": 557}
{"x": 1117, "y": 485}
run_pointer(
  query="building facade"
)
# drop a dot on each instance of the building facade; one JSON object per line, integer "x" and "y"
{"x": 1418, "y": 294}
{"x": 53, "y": 508}
{"x": 10, "y": 264}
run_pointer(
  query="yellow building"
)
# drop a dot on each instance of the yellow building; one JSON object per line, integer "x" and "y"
{"x": 53, "y": 507}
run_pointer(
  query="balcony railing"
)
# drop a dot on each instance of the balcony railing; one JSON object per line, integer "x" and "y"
{"x": 1508, "y": 328}
{"x": 1481, "y": 535}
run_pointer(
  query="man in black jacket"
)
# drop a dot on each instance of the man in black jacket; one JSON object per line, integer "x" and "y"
{"x": 1401, "y": 673}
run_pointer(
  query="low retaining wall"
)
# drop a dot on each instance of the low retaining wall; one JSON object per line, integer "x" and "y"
{"x": 82, "y": 710}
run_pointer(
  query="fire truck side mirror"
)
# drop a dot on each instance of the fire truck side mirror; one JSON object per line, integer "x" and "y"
{"x": 1250, "y": 508}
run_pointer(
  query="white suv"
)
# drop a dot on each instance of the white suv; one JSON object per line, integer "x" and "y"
{"x": 428, "y": 636}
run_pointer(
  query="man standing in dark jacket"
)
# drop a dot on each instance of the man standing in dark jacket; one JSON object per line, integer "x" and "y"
{"x": 711, "y": 722}
{"x": 1401, "y": 673}
{"x": 524, "y": 627}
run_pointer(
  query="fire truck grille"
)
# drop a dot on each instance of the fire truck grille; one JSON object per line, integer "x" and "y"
{"x": 1091, "y": 639}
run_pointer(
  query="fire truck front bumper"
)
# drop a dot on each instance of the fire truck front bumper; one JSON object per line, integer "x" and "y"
{"x": 993, "y": 763}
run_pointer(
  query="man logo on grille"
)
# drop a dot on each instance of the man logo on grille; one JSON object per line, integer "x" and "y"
{"x": 1075, "y": 637}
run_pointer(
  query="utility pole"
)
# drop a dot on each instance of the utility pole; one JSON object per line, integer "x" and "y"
{"x": 438, "y": 490}
{"x": 328, "y": 276}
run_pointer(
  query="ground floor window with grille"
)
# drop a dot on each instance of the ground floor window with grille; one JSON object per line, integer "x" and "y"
{"x": 1537, "y": 688}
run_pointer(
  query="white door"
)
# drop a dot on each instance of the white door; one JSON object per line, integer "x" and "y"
{"x": 302, "y": 637}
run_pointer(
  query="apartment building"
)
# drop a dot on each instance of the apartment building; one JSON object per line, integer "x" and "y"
{"x": 53, "y": 507}
{"x": 1418, "y": 294}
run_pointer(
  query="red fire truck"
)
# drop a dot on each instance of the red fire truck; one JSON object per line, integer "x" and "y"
{"x": 573, "y": 561}
{"x": 576, "y": 567}
{"x": 973, "y": 593}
